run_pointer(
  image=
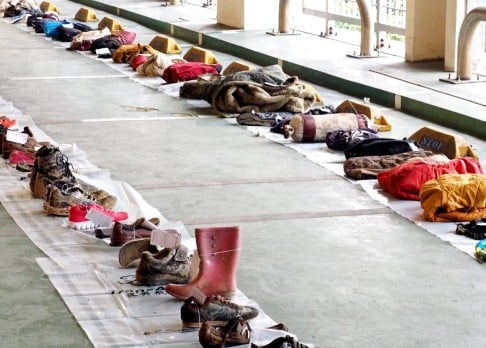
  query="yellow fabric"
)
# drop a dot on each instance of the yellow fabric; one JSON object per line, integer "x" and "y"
{"x": 454, "y": 197}
{"x": 125, "y": 53}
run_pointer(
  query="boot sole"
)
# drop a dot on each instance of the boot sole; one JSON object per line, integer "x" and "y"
{"x": 83, "y": 225}
{"x": 55, "y": 211}
{"x": 159, "y": 279}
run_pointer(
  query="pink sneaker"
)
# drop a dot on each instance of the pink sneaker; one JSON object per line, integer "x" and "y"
{"x": 17, "y": 156}
{"x": 79, "y": 221}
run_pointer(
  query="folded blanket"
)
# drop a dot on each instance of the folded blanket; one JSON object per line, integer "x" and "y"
{"x": 368, "y": 167}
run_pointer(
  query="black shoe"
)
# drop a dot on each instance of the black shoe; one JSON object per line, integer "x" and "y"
{"x": 474, "y": 229}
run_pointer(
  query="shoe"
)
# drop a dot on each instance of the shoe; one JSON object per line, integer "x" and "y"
{"x": 9, "y": 123}
{"x": 17, "y": 156}
{"x": 61, "y": 196}
{"x": 218, "y": 249}
{"x": 235, "y": 332}
{"x": 238, "y": 332}
{"x": 132, "y": 250}
{"x": 474, "y": 229}
{"x": 141, "y": 228}
{"x": 166, "y": 266}
{"x": 283, "y": 342}
{"x": 49, "y": 165}
{"x": 77, "y": 216}
{"x": 28, "y": 146}
{"x": 267, "y": 119}
{"x": 216, "y": 310}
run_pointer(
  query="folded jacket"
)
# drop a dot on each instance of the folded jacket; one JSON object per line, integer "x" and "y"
{"x": 454, "y": 197}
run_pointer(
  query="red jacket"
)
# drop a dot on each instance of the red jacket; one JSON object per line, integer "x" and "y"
{"x": 404, "y": 181}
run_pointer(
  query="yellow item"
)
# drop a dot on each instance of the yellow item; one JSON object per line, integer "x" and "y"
{"x": 86, "y": 15}
{"x": 165, "y": 44}
{"x": 198, "y": 54}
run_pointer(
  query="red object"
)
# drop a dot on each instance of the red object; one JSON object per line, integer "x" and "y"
{"x": 404, "y": 181}
{"x": 77, "y": 215}
{"x": 138, "y": 60}
{"x": 219, "y": 253}
{"x": 17, "y": 156}
{"x": 8, "y": 122}
{"x": 178, "y": 72}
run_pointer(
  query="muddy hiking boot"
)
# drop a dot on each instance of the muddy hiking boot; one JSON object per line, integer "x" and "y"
{"x": 62, "y": 195}
{"x": 216, "y": 311}
{"x": 50, "y": 165}
{"x": 166, "y": 266}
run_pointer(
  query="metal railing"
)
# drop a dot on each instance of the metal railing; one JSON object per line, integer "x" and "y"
{"x": 321, "y": 17}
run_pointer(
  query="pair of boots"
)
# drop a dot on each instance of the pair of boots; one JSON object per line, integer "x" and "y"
{"x": 51, "y": 179}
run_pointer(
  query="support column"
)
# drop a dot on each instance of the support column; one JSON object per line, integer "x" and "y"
{"x": 455, "y": 12}
{"x": 284, "y": 16}
{"x": 425, "y": 30}
{"x": 366, "y": 28}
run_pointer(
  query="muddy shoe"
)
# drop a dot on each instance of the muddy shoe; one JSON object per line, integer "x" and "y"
{"x": 235, "y": 332}
{"x": 132, "y": 251}
{"x": 49, "y": 165}
{"x": 141, "y": 228}
{"x": 217, "y": 311}
{"x": 166, "y": 266}
{"x": 61, "y": 196}
{"x": 239, "y": 332}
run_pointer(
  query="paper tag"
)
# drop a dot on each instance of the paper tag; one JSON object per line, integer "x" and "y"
{"x": 198, "y": 295}
{"x": 165, "y": 238}
{"x": 17, "y": 137}
{"x": 99, "y": 218}
{"x": 101, "y": 51}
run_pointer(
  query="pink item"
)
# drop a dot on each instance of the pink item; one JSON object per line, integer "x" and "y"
{"x": 77, "y": 216}
{"x": 17, "y": 156}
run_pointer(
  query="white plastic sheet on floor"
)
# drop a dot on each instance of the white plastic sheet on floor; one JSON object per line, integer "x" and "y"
{"x": 85, "y": 270}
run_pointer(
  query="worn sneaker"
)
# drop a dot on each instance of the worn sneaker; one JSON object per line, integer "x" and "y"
{"x": 17, "y": 156}
{"x": 217, "y": 311}
{"x": 141, "y": 228}
{"x": 238, "y": 332}
{"x": 234, "y": 332}
{"x": 78, "y": 219}
{"x": 61, "y": 196}
{"x": 166, "y": 266}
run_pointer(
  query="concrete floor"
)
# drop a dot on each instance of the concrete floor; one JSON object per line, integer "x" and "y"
{"x": 318, "y": 253}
